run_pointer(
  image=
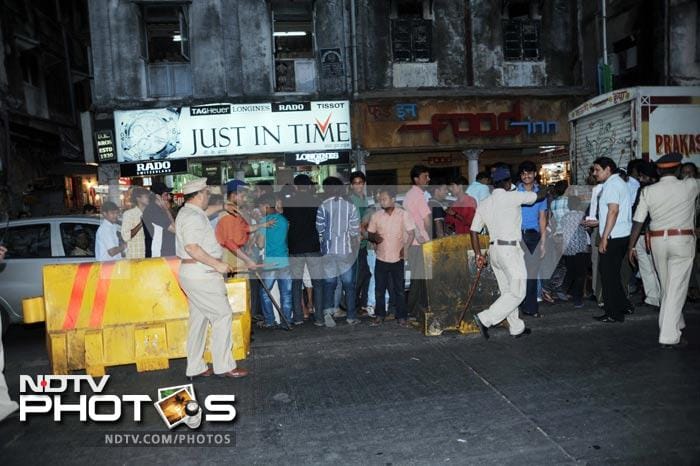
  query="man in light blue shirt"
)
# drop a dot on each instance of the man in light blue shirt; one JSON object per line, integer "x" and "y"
{"x": 615, "y": 224}
{"x": 479, "y": 189}
{"x": 533, "y": 226}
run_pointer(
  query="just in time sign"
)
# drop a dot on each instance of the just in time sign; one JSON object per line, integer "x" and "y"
{"x": 232, "y": 129}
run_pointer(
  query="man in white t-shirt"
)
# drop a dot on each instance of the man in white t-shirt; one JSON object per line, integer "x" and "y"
{"x": 615, "y": 224}
{"x": 108, "y": 243}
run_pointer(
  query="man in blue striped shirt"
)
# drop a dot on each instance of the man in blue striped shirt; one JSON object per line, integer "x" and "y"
{"x": 338, "y": 225}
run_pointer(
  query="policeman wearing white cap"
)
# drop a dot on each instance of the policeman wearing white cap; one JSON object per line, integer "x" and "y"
{"x": 670, "y": 204}
{"x": 500, "y": 213}
{"x": 201, "y": 277}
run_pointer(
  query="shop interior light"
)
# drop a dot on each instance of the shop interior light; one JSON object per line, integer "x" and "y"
{"x": 177, "y": 38}
{"x": 289, "y": 33}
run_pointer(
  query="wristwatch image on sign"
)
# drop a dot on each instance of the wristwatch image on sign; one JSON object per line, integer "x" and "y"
{"x": 151, "y": 134}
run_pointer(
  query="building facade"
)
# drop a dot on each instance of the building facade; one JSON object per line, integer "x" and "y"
{"x": 219, "y": 67}
{"x": 458, "y": 85}
{"x": 44, "y": 88}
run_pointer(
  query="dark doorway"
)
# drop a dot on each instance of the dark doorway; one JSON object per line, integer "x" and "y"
{"x": 444, "y": 173}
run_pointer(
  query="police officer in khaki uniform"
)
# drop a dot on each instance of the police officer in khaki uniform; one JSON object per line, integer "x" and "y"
{"x": 501, "y": 214}
{"x": 201, "y": 277}
{"x": 670, "y": 204}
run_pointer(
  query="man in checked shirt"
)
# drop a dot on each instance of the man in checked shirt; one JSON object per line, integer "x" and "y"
{"x": 338, "y": 226}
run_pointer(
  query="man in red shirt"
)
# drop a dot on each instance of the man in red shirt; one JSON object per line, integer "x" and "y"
{"x": 233, "y": 230}
{"x": 461, "y": 213}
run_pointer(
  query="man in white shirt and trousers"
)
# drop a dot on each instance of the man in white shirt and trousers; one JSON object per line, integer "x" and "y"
{"x": 670, "y": 204}
{"x": 501, "y": 214}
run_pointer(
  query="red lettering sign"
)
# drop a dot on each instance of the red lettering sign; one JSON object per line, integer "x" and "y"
{"x": 470, "y": 125}
{"x": 685, "y": 144}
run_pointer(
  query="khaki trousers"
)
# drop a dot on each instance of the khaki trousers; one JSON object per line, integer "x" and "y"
{"x": 208, "y": 302}
{"x": 508, "y": 264}
{"x": 648, "y": 274}
{"x": 7, "y": 406}
{"x": 673, "y": 256}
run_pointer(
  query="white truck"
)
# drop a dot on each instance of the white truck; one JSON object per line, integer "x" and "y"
{"x": 635, "y": 123}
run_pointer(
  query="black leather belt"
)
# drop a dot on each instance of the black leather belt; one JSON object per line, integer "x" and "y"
{"x": 501, "y": 242}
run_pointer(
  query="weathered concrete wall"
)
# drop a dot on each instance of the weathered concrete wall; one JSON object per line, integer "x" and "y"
{"x": 487, "y": 48}
{"x": 455, "y": 49}
{"x": 558, "y": 42}
{"x": 256, "y": 47}
{"x": 684, "y": 64}
{"x": 374, "y": 44}
{"x": 449, "y": 42}
{"x": 332, "y": 33}
{"x": 208, "y": 53}
{"x": 231, "y": 51}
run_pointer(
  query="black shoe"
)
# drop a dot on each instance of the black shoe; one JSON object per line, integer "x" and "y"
{"x": 482, "y": 328}
{"x": 682, "y": 343}
{"x": 525, "y": 332}
{"x": 536, "y": 315}
{"x": 600, "y": 318}
{"x": 629, "y": 311}
{"x": 608, "y": 320}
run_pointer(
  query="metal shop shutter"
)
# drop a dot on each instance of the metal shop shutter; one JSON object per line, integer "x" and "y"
{"x": 607, "y": 133}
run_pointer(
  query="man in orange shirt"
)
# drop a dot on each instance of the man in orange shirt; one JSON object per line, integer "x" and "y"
{"x": 387, "y": 228}
{"x": 461, "y": 213}
{"x": 233, "y": 230}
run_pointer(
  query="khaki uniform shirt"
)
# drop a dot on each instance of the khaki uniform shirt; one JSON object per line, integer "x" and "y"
{"x": 193, "y": 227}
{"x": 501, "y": 214}
{"x": 137, "y": 244}
{"x": 670, "y": 203}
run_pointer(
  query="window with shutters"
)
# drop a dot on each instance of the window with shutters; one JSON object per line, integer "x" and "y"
{"x": 293, "y": 39}
{"x": 521, "y": 30}
{"x": 166, "y": 49}
{"x": 411, "y": 31}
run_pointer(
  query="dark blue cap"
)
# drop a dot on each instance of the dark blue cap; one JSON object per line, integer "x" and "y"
{"x": 669, "y": 160}
{"x": 235, "y": 185}
{"x": 500, "y": 174}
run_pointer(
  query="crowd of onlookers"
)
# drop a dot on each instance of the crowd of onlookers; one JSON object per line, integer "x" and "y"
{"x": 319, "y": 253}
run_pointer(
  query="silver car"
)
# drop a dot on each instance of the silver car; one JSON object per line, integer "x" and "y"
{"x": 34, "y": 242}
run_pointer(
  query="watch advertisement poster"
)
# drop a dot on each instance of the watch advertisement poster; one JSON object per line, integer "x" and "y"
{"x": 232, "y": 129}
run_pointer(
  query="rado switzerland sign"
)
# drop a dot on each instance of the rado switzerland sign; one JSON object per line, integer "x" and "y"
{"x": 232, "y": 129}
{"x": 158, "y": 167}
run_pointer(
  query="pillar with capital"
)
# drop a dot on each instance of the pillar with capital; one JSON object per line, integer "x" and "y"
{"x": 472, "y": 156}
{"x": 359, "y": 159}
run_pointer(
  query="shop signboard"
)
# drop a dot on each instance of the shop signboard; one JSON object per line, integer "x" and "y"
{"x": 232, "y": 129}
{"x": 296, "y": 159}
{"x": 104, "y": 146}
{"x": 153, "y": 167}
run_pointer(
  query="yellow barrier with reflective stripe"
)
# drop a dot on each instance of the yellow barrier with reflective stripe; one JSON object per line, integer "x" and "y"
{"x": 104, "y": 314}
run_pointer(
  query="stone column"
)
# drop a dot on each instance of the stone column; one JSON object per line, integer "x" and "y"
{"x": 359, "y": 158}
{"x": 472, "y": 156}
{"x": 108, "y": 174}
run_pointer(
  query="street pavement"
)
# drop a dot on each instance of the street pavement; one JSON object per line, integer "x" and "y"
{"x": 575, "y": 391}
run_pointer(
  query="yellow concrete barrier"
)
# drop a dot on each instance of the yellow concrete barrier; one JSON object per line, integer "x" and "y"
{"x": 105, "y": 314}
{"x": 451, "y": 266}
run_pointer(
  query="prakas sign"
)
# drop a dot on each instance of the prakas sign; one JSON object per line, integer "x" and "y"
{"x": 231, "y": 129}
{"x": 674, "y": 128}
